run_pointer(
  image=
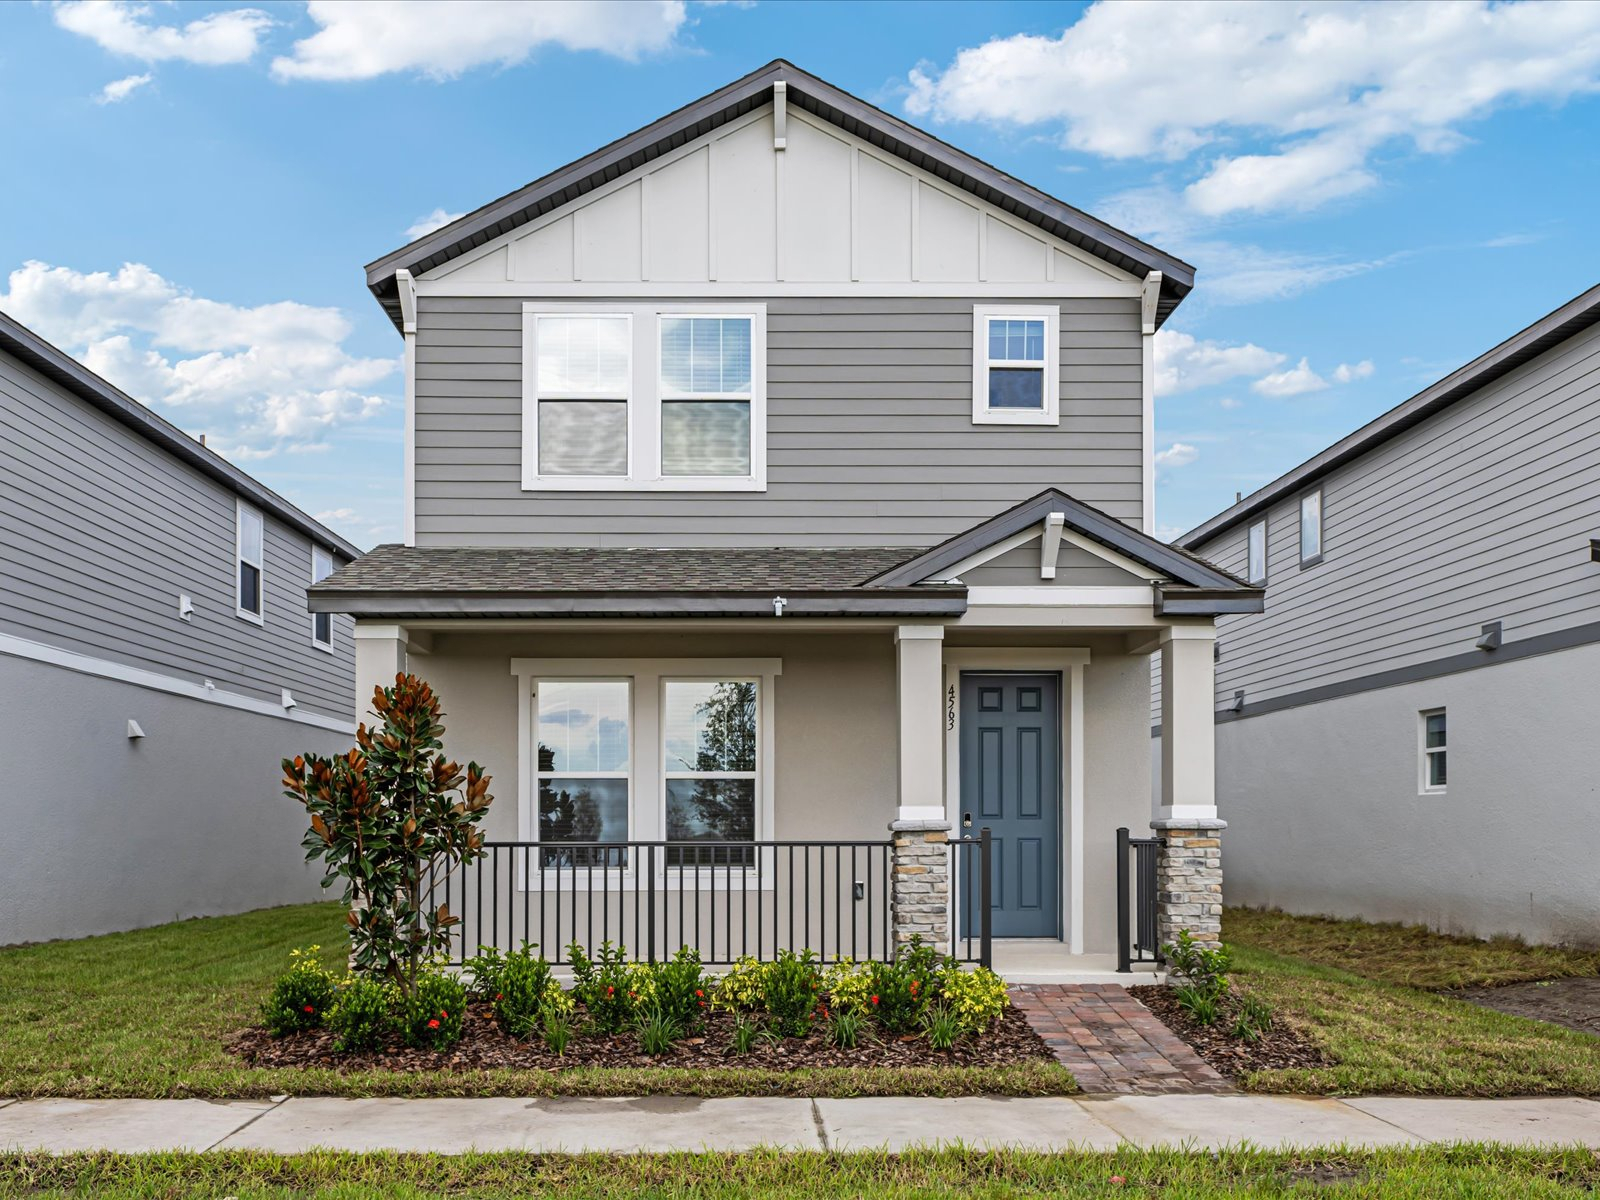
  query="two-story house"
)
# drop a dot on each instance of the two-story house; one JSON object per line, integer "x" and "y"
{"x": 1407, "y": 733}
{"x": 779, "y": 474}
{"x": 157, "y": 660}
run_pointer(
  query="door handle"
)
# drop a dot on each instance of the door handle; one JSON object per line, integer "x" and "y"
{"x": 966, "y": 820}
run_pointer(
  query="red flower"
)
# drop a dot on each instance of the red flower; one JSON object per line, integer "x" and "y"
{"x": 499, "y": 995}
{"x": 874, "y": 999}
{"x": 444, "y": 1014}
{"x": 610, "y": 991}
{"x": 310, "y": 1009}
{"x": 699, "y": 993}
{"x": 433, "y": 1022}
{"x": 1118, "y": 1179}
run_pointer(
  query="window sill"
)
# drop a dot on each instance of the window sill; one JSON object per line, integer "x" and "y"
{"x": 1307, "y": 563}
{"x": 1020, "y": 416}
{"x": 253, "y": 618}
{"x": 612, "y": 483}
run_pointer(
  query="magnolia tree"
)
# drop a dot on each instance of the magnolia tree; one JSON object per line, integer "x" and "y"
{"x": 390, "y": 817}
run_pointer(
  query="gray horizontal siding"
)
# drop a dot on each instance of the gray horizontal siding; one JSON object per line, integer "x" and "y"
{"x": 100, "y": 531}
{"x": 1481, "y": 513}
{"x": 870, "y": 437}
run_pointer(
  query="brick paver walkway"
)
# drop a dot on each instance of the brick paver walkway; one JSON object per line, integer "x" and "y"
{"x": 1112, "y": 1043}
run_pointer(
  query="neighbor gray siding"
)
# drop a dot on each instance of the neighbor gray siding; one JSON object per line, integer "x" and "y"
{"x": 870, "y": 433}
{"x": 1481, "y": 513}
{"x": 99, "y": 533}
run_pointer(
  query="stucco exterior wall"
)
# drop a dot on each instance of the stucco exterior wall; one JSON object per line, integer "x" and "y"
{"x": 105, "y": 833}
{"x": 1324, "y": 814}
{"x": 1116, "y": 782}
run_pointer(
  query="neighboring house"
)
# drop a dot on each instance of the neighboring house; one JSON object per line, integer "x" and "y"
{"x": 158, "y": 661}
{"x": 781, "y": 473}
{"x": 1408, "y": 733}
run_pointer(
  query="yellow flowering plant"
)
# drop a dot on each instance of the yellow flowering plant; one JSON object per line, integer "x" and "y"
{"x": 975, "y": 998}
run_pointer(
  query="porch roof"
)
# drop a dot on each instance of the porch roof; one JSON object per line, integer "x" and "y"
{"x": 396, "y": 581}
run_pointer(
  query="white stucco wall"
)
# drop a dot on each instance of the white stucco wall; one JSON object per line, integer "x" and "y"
{"x": 1324, "y": 814}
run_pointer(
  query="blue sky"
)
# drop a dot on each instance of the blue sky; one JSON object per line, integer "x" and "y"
{"x": 1372, "y": 194}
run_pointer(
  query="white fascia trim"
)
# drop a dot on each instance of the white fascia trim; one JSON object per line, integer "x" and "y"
{"x": 1149, "y": 302}
{"x": 1020, "y": 538}
{"x": 982, "y": 414}
{"x": 1060, "y": 596}
{"x": 104, "y": 668}
{"x": 408, "y": 315}
{"x": 650, "y": 289}
{"x": 1122, "y": 562}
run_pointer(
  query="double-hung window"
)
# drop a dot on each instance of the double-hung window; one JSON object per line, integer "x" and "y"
{"x": 250, "y": 575}
{"x": 1016, "y": 377}
{"x": 321, "y": 623}
{"x": 1432, "y": 734}
{"x": 583, "y": 743}
{"x": 1311, "y": 528}
{"x": 642, "y": 397}
{"x": 711, "y": 745}
{"x": 1256, "y": 568}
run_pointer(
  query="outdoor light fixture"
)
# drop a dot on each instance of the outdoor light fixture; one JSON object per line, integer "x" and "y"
{"x": 134, "y": 732}
{"x": 1489, "y": 637}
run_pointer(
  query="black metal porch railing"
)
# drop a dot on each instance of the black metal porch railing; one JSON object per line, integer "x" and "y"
{"x": 724, "y": 899}
{"x": 1137, "y": 938}
{"x": 972, "y": 859}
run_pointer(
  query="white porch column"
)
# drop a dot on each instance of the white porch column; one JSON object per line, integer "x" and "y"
{"x": 919, "y": 654}
{"x": 1189, "y": 865}
{"x": 380, "y": 656}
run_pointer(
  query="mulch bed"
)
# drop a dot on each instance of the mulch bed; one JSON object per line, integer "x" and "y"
{"x": 1574, "y": 1003}
{"x": 1009, "y": 1040}
{"x": 1279, "y": 1048}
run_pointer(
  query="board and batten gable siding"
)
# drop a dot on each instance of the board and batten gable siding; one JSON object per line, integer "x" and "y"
{"x": 100, "y": 532}
{"x": 1483, "y": 512}
{"x": 870, "y": 439}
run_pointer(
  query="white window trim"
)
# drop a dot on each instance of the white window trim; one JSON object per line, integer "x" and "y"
{"x": 326, "y": 646}
{"x": 1257, "y": 578}
{"x": 646, "y": 756}
{"x": 1424, "y": 788}
{"x": 239, "y": 509}
{"x": 644, "y": 402}
{"x": 982, "y": 414}
{"x": 1311, "y": 560}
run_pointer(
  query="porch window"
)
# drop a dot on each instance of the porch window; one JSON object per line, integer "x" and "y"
{"x": 1015, "y": 356}
{"x": 710, "y": 742}
{"x": 584, "y": 379}
{"x": 1433, "y": 735}
{"x": 582, "y": 730}
{"x": 705, "y": 395}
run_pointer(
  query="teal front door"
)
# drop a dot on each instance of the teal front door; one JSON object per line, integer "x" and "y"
{"x": 1011, "y": 782}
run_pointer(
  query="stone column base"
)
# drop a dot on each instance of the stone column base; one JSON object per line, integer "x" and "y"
{"x": 1189, "y": 879}
{"x": 919, "y": 894}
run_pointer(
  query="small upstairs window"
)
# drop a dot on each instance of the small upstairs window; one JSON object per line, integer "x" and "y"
{"x": 1432, "y": 751}
{"x": 1016, "y": 377}
{"x": 1311, "y": 528}
{"x": 321, "y": 623}
{"x": 584, "y": 377}
{"x": 1257, "y": 567}
{"x": 251, "y": 577}
{"x": 705, "y": 395}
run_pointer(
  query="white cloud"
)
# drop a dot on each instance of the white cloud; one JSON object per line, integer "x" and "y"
{"x": 437, "y": 219}
{"x": 1184, "y": 362}
{"x": 363, "y": 39}
{"x": 1179, "y": 454}
{"x": 259, "y": 380}
{"x": 1230, "y": 403}
{"x": 1296, "y": 381}
{"x": 1349, "y": 372}
{"x": 119, "y": 90}
{"x": 231, "y": 36}
{"x": 1315, "y": 88}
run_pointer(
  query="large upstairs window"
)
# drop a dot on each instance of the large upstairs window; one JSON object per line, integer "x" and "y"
{"x": 644, "y": 398}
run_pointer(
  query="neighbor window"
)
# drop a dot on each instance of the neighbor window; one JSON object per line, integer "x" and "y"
{"x": 1015, "y": 376}
{"x": 582, "y": 738}
{"x": 321, "y": 623}
{"x": 705, "y": 395}
{"x": 1257, "y": 568}
{"x": 1311, "y": 528}
{"x": 710, "y": 747}
{"x": 1433, "y": 735}
{"x": 249, "y": 536}
{"x": 642, "y": 398}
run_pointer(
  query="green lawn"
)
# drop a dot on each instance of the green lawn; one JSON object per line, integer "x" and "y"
{"x": 1404, "y": 954}
{"x": 145, "y": 1014}
{"x": 1431, "y": 1174}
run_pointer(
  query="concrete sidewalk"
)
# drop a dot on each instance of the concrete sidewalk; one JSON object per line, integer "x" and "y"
{"x": 660, "y": 1123}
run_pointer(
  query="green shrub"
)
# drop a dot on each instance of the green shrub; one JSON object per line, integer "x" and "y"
{"x": 365, "y": 1014}
{"x": 522, "y": 992}
{"x": 975, "y": 998}
{"x": 848, "y": 984}
{"x": 657, "y": 1030}
{"x": 1201, "y": 967}
{"x": 1252, "y": 1018}
{"x": 301, "y": 996}
{"x": 941, "y": 1026}
{"x": 1201, "y": 1004}
{"x": 846, "y": 1027}
{"x": 484, "y": 969}
{"x": 741, "y": 988}
{"x": 611, "y": 989}
{"x": 437, "y": 1011}
{"x": 558, "y": 1029}
{"x": 746, "y": 1030}
{"x": 680, "y": 989}
{"x": 790, "y": 985}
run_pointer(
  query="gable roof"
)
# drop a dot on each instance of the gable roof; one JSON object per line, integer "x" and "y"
{"x": 1571, "y": 318}
{"x": 60, "y": 367}
{"x": 824, "y": 101}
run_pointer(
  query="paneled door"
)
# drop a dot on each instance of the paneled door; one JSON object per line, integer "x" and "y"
{"x": 1011, "y": 782}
